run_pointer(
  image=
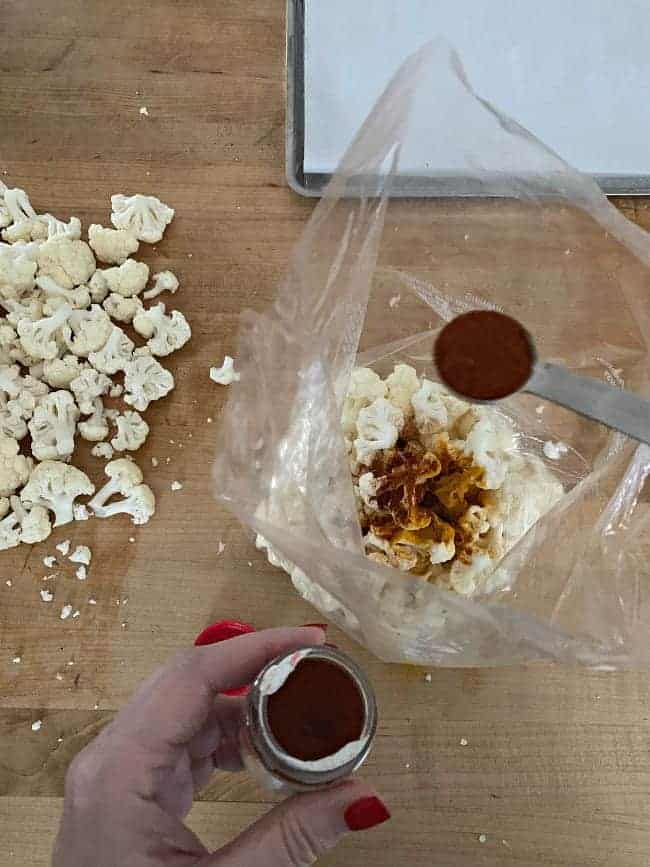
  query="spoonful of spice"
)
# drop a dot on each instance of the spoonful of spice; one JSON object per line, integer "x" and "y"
{"x": 485, "y": 356}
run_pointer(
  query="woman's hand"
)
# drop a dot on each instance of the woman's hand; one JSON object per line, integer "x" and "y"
{"x": 127, "y": 793}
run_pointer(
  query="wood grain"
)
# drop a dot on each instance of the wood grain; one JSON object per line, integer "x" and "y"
{"x": 556, "y": 768}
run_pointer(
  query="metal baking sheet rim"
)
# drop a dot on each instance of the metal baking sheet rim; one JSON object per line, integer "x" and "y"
{"x": 440, "y": 186}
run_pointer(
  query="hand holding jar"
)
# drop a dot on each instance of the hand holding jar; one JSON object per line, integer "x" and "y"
{"x": 129, "y": 791}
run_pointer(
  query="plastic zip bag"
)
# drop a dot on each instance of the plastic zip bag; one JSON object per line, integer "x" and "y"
{"x": 371, "y": 281}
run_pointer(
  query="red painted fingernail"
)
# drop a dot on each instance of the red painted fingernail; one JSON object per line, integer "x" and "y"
{"x": 322, "y": 626}
{"x": 222, "y": 631}
{"x": 366, "y": 813}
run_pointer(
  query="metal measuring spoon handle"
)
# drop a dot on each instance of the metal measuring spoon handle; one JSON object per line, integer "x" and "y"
{"x": 592, "y": 398}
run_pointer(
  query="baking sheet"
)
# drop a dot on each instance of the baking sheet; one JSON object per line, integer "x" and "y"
{"x": 577, "y": 75}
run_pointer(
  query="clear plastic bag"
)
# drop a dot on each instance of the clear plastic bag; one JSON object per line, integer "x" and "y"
{"x": 370, "y": 282}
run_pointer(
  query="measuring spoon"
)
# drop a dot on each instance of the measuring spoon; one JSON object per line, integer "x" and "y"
{"x": 485, "y": 356}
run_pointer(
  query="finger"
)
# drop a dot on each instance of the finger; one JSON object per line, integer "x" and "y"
{"x": 172, "y": 706}
{"x": 301, "y": 829}
{"x": 222, "y": 724}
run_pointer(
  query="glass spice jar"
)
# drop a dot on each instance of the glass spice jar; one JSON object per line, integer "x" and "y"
{"x": 309, "y": 721}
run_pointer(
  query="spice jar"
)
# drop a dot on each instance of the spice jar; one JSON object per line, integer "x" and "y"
{"x": 309, "y": 722}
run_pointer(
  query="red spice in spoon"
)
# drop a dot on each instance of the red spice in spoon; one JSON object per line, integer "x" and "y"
{"x": 484, "y": 355}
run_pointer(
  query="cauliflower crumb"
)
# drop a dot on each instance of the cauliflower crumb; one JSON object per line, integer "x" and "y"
{"x": 144, "y": 111}
{"x": 92, "y": 602}
{"x": 554, "y": 451}
{"x": 47, "y": 595}
{"x": 80, "y": 512}
{"x": 394, "y": 301}
{"x": 81, "y": 554}
{"x": 427, "y": 677}
{"x": 176, "y": 486}
{"x": 9, "y": 582}
{"x": 226, "y": 374}
{"x": 154, "y": 462}
{"x": 463, "y": 742}
{"x": 221, "y": 548}
{"x": 482, "y": 838}
{"x": 81, "y": 573}
{"x": 36, "y": 725}
{"x": 66, "y": 611}
{"x": 16, "y": 660}
{"x": 76, "y": 614}
{"x": 58, "y": 676}
{"x": 49, "y": 562}
{"x": 63, "y": 547}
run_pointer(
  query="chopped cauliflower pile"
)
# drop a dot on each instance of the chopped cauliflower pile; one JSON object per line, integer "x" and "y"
{"x": 442, "y": 491}
{"x": 62, "y": 347}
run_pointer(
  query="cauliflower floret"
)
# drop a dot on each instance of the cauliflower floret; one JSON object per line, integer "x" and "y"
{"x": 146, "y": 216}
{"x": 465, "y": 578}
{"x": 26, "y": 225}
{"x": 166, "y": 333}
{"x": 68, "y": 263}
{"x": 9, "y": 532}
{"x": 10, "y": 379}
{"x": 12, "y": 419}
{"x": 528, "y": 491}
{"x": 379, "y": 426}
{"x": 94, "y": 428}
{"x": 113, "y": 246}
{"x": 55, "y": 486}
{"x": 89, "y": 385}
{"x": 132, "y": 431}
{"x": 116, "y": 353}
{"x": 489, "y": 441}
{"x": 163, "y": 281}
{"x": 98, "y": 287}
{"x": 5, "y": 220}
{"x": 128, "y": 279}
{"x": 59, "y": 372}
{"x": 56, "y": 295}
{"x": 18, "y": 398}
{"x": 43, "y": 338}
{"x": 225, "y": 374}
{"x": 430, "y": 410}
{"x": 26, "y": 230}
{"x": 53, "y": 426}
{"x": 102, "y": 450}
{"x": 365, "y": 386}
{"x": 8, "y": 338}
{"x": 90, "y": 330}
{"x": 35, "y": 525}
{"x": 17, "y": 273}
{"x": 29, "y": 307}
{"x": 402, "y": 384}
{"x": 122, "y": 309}
{"x": 14, "y": 467}
{"x": 32, "y": 392}
{"x": 125, "y": 478}
{"x": 145, "y": 380}
{"x": 368, "y": 490}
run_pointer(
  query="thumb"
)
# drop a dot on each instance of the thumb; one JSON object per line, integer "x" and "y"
{"x": 301, "y": 829}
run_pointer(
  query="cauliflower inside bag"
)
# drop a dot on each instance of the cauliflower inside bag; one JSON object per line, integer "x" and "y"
{"x": 442, "y": 490}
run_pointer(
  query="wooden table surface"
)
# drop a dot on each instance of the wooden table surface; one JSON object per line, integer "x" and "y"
{"x": 556, "y": 769}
